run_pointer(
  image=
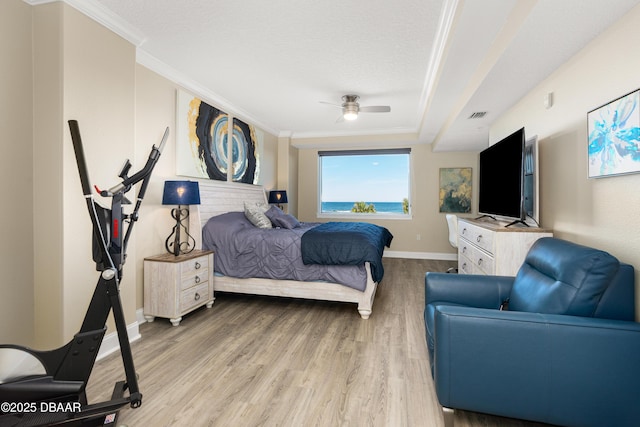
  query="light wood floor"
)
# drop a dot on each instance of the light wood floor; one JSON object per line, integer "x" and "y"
{"x": 261, "y": 361}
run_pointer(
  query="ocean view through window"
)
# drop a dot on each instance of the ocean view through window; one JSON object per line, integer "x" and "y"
{"x": 365, "y": 182}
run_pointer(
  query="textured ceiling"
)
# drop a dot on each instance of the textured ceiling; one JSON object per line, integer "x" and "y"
{"x": 433, "y": 61}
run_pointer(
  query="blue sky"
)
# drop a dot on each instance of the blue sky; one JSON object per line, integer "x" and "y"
{"x": 375, "y": 178}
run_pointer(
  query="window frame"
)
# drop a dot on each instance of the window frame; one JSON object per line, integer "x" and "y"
{"x": 364, "y": 215}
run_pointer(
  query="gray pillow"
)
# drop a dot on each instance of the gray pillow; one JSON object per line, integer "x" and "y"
{"x": 255, "y": 212}
{"x": 280, "y": 219}
{"x": 287, "y": 221}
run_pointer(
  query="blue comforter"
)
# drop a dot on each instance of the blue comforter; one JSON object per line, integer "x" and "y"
{"x": 346, "y": 243}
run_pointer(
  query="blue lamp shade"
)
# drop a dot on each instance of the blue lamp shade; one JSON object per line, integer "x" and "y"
{"x": 278, "y": 196}
{"x": 181, "y": 193}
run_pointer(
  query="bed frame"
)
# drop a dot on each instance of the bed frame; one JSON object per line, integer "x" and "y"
{"x": 218, "y": 198}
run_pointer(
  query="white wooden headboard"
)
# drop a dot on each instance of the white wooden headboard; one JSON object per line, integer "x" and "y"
{"x": 218, "y": 197}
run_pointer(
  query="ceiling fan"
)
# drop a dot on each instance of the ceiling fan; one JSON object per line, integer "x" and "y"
{"x": 351, "y": 108}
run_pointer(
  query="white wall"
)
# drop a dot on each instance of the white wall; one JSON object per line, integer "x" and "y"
{"x": 598, "y": 212}
{"x": 16, "y": 174}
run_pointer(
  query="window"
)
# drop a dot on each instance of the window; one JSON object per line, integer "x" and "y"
{"x": 365, "y": 182}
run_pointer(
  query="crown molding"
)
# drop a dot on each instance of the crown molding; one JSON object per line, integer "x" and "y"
{"x": 102, "y": 15}
{"x": 360, "y": 141}
{"x": 368, "y": 132}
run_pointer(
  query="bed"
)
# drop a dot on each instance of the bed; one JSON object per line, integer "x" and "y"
{"x": 226, "y": 202}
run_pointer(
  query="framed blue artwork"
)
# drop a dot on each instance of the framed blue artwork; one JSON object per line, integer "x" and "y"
{"x": 614, "y": 137}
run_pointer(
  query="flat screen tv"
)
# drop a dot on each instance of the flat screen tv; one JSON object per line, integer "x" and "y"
{"x": 501, "y": 176}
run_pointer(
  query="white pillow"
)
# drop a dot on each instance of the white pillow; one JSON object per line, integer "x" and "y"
{"x": 255, "y": 212}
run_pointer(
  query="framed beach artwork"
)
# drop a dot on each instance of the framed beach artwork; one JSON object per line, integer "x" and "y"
{"x": 455, "y": 190}
{"x": 614, "y": 137}
{"x": 211, "y": 144}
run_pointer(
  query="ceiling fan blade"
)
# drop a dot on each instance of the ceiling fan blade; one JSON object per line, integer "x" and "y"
{"x": 330, "y": 103}
{"x": 376, "y": 109}
{"x": 340, "y": 119}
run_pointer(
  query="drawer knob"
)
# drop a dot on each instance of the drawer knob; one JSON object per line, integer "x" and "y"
{"x": 464, "y": 249}
{"x": 479, "y": 238}
{"x": 198, "y": 265}
{"x": 196, "y": 296}
{"x": 197, "y": 279}
{"x": 480, "y": 261}
{"x": 464, "y": 230}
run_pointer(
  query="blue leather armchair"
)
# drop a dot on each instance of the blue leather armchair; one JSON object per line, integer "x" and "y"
{"x": 565, "y": 352}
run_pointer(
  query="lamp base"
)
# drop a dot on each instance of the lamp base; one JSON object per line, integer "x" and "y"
{"x": 174, "y": 244}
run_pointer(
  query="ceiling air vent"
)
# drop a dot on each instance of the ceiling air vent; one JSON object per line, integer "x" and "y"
{"x": 477, "y": 115}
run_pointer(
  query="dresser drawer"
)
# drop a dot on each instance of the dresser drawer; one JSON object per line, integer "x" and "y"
{"x": 465, "y": 266}
{"x": 478, "y": 236}
{"x": 193, "y": 296}
{"x": 479, "y": 259}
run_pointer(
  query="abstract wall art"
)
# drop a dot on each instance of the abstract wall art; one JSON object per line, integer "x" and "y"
{"x": 455, "y": 190}
{"x": 210, "y": 144}
{"x": 244, "y": 153}
{"x": 614, "y": 137}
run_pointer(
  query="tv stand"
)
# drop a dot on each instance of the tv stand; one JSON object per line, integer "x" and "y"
{"x": 517, "y": 221}
{"x": 487, "y": 216}
{"x": 488, "y": 247}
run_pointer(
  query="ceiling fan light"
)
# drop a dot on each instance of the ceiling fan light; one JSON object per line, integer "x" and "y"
{"x": 350, "y": 112}
{"x": 350, "y": 115}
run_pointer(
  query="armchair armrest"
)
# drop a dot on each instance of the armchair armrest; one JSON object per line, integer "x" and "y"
{"x": 465, "y": 289}
{"x": 556, "y": 369}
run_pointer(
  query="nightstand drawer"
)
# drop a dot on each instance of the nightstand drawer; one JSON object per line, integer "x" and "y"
{"x": 194, "y": 296}
{"x": 195, "y": 277}
{"x": 195, "y": 266}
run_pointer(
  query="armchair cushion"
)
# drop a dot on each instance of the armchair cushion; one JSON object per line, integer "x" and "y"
{"x": 560, "y": 277}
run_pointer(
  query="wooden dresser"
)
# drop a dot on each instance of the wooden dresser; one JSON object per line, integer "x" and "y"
{"x": 487, "y": 247}
{"x": 177, "y": 285}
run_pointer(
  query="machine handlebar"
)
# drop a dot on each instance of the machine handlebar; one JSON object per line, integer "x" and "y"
{"x": 82, "y": 165}
{"x": 127, "y": 182}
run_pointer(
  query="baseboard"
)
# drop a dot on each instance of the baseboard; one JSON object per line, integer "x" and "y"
{"x": 140, "y": 316}
{"x": 110, "y": 343}
{"x": 421, "y": 255}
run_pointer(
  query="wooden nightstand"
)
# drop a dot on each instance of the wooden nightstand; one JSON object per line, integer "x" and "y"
{"x": 177, "y": 285}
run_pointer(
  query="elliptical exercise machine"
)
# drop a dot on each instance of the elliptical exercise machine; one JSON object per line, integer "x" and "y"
{"x": 39, "y": 388}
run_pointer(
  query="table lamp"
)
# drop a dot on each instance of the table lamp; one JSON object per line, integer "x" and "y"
{"x": 278, "y": 197}
{"x": 183, "y": 194}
